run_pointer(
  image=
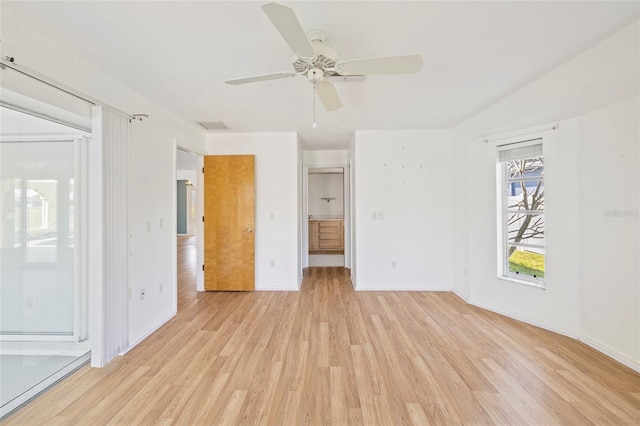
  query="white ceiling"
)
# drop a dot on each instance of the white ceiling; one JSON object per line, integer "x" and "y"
{"x": 178, "y": 54}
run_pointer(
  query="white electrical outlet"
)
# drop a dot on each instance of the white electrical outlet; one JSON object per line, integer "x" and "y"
{"x": 272, "y": 263}
{"x": 148, "y": 226}
{"x": 142, "y": 294}
{"x": 393, "y": 263}
{"x": 380, "y": 215}
{"x": 161, "y": 223}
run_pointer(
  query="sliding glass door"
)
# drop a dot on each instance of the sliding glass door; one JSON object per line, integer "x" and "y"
{"x": 43, "y": 290}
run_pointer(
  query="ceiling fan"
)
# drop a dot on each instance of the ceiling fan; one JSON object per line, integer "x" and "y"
{"x": 318, "y": 61}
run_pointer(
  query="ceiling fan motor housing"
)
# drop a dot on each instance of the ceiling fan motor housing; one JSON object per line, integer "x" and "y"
{"x": 315, "y": 75}
{"x": 326, "y": 56}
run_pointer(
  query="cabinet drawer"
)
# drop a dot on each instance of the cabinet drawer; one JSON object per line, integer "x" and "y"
{"x": 328, "y": 236}
{"x": 330, "y": 244}
{"x": 329, "y": 226}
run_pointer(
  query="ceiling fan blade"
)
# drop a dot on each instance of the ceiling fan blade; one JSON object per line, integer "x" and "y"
{"x": 287, "y": 24}
{"x": 388, "y": 65}
{"x": 328, "y": 95}
{"x": 265, "y": 77}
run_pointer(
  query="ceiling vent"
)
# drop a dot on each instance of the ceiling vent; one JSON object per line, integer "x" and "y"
{"x": 213, "y": 125}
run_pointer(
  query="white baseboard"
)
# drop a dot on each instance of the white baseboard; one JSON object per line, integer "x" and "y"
{"x": 622, "y": 359}
{"x": 564, "y": 332}
{"x": 279, "y": 288}
{"x": 401, "y": 287}
{"x": 461, "y": 296}
{"x": 149, "y": 332}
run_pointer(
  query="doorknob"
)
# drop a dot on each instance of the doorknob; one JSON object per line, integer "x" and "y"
{"x": 249, "y": 230}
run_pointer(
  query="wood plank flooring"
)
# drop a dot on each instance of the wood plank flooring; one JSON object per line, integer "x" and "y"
{"x": 329, "y": 355}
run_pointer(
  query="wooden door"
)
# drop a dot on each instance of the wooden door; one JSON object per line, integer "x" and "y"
{"x": 229, "y": 222}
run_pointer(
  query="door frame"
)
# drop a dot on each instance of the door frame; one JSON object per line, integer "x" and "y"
{"x": 347, "y": 190}
{"x": 177, "y": 144}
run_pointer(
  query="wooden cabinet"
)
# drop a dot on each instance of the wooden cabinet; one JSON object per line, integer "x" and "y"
{"x": 313, "y": 235}
{"x": 326, "y": 236}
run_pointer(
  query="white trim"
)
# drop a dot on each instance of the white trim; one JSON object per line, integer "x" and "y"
{"x": 278, "y": 287}
{"x": 82, "y": 127}
{"x": 523, "y": 281}
{"x": 80, "y": 164}
{"x": 45, "y": 352}
{"x": 304, "y": 246}
{"x": 22, "y": 337}
{"x": 347, "y": 190}
{"x": 149, "y": 332}
{"x": 568, "y": 333}
{"x": 402, "y": 287}
{"x": 81, "y": 198}
{"x": 622, "y": 359}
{"x": 173, "y": 224}
{"x": 457, "y": 293}
{"x": 199, "y": 224}
{"x": 75, "y": 349}
{"x": 513, "y": 143}
{"x": 44, "y": 137}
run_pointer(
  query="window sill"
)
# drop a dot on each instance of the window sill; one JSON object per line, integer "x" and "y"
{"x": 535, "y": 284}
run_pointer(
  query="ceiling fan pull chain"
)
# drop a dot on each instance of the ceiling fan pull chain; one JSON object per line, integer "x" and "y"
{"x": 314, "y": 104}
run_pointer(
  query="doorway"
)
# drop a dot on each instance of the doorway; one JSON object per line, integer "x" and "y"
{"x": 187, "y": 207}
{"x": 326, "y": 208}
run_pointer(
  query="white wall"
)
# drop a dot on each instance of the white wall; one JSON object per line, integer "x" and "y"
{"x": 152, "y": 172}
{"x": 276, "y": 202}
{"x": 190, "y": 175}
{"x": 554, "y": 308}
{"x": 608, "y": 184}
{"x": 327, "y": 158}
{"x": 403, "y": 218}
{"x": 326, "y": 185}
{"x": 591, "y": 166}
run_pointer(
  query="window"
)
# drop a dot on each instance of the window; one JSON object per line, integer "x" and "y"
{"x": 521, "y": 166}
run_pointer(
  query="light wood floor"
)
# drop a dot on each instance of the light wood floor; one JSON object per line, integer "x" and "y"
{"x": 330, "y": 355}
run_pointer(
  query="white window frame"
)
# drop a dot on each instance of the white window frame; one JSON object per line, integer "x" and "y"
{"x": 524, "y": 142}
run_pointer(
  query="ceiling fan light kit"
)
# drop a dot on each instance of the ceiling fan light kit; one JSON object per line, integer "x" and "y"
{"x": 317, "y": 61}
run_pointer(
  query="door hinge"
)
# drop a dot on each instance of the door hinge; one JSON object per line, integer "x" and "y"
{"x": 203, "y": 267}
{"x": 203, "y": 218}
{"x": 203, "y": 170}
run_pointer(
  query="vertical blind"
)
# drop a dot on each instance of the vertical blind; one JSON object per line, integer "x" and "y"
{"x": 111, "y": 129}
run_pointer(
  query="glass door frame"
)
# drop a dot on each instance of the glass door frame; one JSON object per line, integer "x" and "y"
{"x": 80, "y": 247}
